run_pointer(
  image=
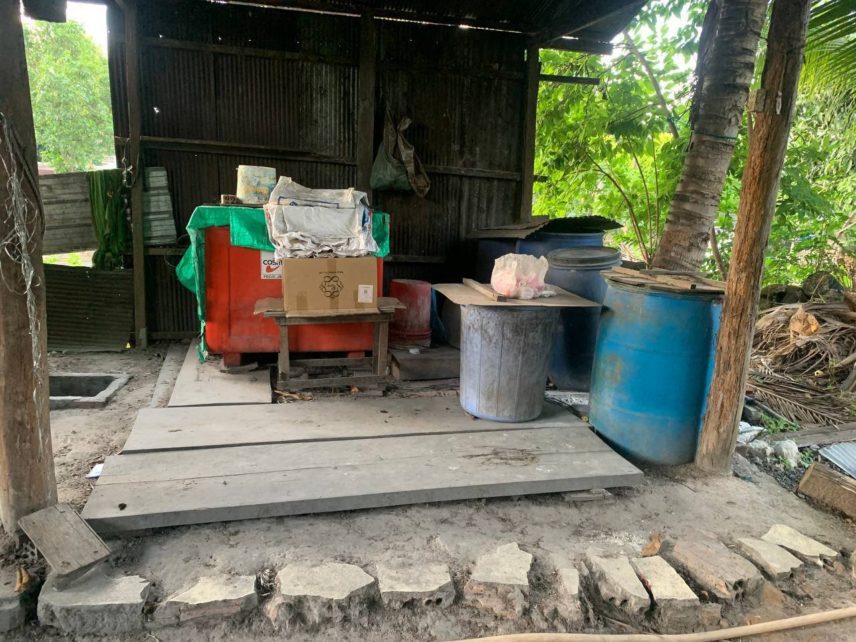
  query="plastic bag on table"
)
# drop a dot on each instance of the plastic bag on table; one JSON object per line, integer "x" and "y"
{"x": 520, "y": 276}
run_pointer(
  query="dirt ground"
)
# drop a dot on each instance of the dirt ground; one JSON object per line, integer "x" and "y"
{"x": 673, "y": 502}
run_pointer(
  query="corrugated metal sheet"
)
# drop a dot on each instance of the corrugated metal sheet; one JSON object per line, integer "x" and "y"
{"x": 171, "y": 307}
{"x": 288, "y": 104}
{"x": 287, "y": 81}
{"x": 88, "y": 309}
{"x": 843, "y": 456}
{"x": 68, "y": 216}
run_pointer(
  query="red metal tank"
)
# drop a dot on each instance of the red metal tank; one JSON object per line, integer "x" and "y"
{"x": 237, "y": 277}
{"x": 411, "y": 326}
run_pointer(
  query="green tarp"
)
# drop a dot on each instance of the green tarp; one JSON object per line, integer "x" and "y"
{"x": 247, "y": 228}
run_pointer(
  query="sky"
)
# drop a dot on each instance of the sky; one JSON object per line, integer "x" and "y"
{"x": 93, "y": 17}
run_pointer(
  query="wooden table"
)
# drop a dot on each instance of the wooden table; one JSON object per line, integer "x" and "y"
{"x": 378, "y": 361}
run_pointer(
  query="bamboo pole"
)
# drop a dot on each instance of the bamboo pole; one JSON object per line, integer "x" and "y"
{"x": 775, "y": 110}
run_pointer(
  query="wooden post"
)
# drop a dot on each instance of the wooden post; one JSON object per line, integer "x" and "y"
{"x": 367, "y": 79}
{"x": 530, "y": 111}
{"x": 27, "y": 481}
{"x": 135, "y": 124}
{"x": 761, "y": 175}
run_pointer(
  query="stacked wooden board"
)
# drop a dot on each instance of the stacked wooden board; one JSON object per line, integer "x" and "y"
{"x": 665, "y": 281}
{"x": 208, "y": 464}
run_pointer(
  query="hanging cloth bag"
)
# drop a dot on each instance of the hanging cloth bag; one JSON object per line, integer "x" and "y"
{"x": 396, "y": 166}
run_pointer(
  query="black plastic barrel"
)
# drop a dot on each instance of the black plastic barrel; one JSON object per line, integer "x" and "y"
{"x": 578, "y": 270}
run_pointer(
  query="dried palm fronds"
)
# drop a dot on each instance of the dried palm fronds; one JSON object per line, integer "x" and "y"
{"x": 803, "y": 360}
{"x": 810, "y": 341}
{"x": 797, "y": 401}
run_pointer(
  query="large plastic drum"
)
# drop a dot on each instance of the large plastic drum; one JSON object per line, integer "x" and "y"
{"x": 652, "y": 368}
{"x": 504, "y": 355}
{"x": 578, "y": 270}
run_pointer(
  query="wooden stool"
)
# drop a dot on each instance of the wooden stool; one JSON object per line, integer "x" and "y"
{"x": 378, "y": 361}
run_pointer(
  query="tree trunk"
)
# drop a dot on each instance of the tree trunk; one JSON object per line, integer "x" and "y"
{"x": 27, "y": 481}
{"x": 775, "y": 107}
{"x": 725, "y": 73}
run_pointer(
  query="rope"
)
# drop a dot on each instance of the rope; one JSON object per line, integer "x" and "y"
{"x": 24, "y": 220}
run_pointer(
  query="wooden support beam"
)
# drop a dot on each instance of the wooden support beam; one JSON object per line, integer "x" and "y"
{"x": 135, "y": 125}
{"x": 530, "y": 111}
{"x": 581, "y": 45}
{"x": 569, "y": 80}
{"x": 27, "y": 481}
{"x": 367, "y": 80}
{"x": 767, "y": 142}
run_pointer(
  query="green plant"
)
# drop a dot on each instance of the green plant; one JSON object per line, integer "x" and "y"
{"x": 774, "y": 425}
{"x": 806, "y": 457}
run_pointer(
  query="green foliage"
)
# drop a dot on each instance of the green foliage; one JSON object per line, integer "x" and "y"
{"x": 70, "y": 89}
{"x": 774, "y": 425}
{"x": 610, "y": 150}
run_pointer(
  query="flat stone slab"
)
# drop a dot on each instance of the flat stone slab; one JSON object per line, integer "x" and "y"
{"x": 617, "y": 586}
{"x": 676, "y": 606}
{"x": 325, "y": 592}
{"x": 423, "y": 585}
{"x": 772, "y": 559}
{"x": 723, "y": 574}
{"x": 96, "y": 604}
{"x": 801, "y": 545}
{"x": 568, "y": 606}
{"x": 11, "y": 611}
{"x": 499, "y": 582}
{"x": 210, "y": 597}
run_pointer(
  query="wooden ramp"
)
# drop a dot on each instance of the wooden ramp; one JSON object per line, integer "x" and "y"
{"x": 196, "y": 465}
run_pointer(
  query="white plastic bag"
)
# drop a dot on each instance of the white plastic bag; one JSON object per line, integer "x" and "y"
{"x": 520, "y": 276}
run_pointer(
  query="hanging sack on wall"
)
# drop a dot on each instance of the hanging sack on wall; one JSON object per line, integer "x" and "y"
{"x": 396, "y": 166}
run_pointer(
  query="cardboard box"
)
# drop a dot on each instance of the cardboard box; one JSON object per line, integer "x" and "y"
{"x": 330, "y": 284}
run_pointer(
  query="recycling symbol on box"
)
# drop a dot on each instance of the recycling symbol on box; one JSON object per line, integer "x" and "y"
{"x": 331, "y": 286}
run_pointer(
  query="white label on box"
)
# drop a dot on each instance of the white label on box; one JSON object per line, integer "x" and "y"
{"x": 365, "y": 294}
{"x": 271, "y": 266}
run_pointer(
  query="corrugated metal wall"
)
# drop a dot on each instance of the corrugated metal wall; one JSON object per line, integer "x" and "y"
{"x": 88, "y": 309}
{"x": 225, "y": 85}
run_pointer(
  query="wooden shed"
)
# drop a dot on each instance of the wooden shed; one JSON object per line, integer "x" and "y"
{"x": 303, "y": 86}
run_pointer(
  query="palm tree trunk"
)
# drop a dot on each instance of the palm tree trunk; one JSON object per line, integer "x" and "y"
{"x": 724, "y": 73}
{"x": 785, "y": 44}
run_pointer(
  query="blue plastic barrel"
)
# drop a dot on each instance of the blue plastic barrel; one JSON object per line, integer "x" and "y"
{"x": 652, "y": 368}
{"x": 538, "y": 244}
{"x": 504, "y": 354}
{"x": 542, "y": 243}
{"x": 578, "y": 270}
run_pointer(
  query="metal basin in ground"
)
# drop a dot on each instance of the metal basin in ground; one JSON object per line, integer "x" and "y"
{"x": 84, "y": 389}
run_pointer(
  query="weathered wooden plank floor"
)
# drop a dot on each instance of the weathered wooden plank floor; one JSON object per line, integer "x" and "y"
{"x": 202, "y": 384}
{"x": 180, "y": 467}
{"x": 319, "y": 420}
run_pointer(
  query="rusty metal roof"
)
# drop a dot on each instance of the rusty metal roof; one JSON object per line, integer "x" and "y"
{"x": 542, "y": 20}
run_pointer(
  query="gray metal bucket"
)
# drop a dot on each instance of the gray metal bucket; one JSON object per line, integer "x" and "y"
{"x": 504, "y": 357}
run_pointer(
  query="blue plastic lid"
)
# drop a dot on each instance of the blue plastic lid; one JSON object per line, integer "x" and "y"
{"x": 587, "y": 257}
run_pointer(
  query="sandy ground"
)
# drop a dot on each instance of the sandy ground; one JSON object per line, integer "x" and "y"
{"x": 82, "y": 438}
{"x": 673, "y": 502}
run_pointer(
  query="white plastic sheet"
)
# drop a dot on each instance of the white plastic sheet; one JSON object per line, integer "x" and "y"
{"x": 304, "y": 222}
